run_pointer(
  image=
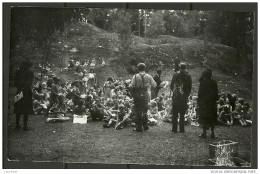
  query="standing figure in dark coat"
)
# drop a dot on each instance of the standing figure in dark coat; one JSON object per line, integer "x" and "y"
{"x": 207, "y": 98}
{"x": 158, "y": 80}
{"x": 181, "y": 89}
{"x": 23, "y": 82}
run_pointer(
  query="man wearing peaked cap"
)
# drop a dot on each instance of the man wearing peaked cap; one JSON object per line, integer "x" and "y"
{"x": 181, "y": 88}
{"x": 140, "y": 84}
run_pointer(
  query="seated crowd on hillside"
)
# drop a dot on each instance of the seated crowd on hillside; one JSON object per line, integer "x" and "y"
{"x": 112, "y": 103}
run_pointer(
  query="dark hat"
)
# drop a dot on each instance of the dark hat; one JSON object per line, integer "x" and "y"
{"x": 110, "y": 79}
{"x": 159, "y": 71}
{"x": 246, "y": 104}
{"x": 183, "y": 66}
{"x": 56, "y": 79}
{"x": 177, "y": 61}
{"x": 141, "y": 66}
{"x": 207, "y": 73}
{"x": 26, "y": 65}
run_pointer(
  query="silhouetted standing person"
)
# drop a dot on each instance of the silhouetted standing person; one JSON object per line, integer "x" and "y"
{"x": 140, "y": 85}
{"x": 23, "y": 82}
{"x": 177, "y": 64}
{"x": 92, "y": 79}
{"x": 158, "y": 80}
{"x": 207, "y": 98}
{"x": 181, "y": 89}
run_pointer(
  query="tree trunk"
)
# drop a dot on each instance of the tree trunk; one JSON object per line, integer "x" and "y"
{"x": 139, "y": 24}
{"x": 144, "y": 24}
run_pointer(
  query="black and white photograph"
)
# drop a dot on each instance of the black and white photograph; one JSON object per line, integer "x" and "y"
{"x": 131, "y": 86}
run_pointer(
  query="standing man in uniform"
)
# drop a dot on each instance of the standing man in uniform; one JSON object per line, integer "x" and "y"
{"x": 140, "y": 85}
{"x": 181, "y": 89}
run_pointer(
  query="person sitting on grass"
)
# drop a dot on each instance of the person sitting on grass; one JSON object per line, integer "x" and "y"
{"x": 160, "y": 103}
{"x": 88, "y": 101}
{"x": 99, "y": 92}
{"x": 241, "y": 101}
{"x": 46, "y": 98}
{"x": 226, "y": 117}
{"x": 247, "y": 113}
{"x": 168, "y": 111}
{"x": 153, "y": 110}
{"x": 60, "y": 109}
{"x": 153, "y": 114}
{"x": 221, "y": 105}
{"x": 194, "y": 117}
{"x": 115, "y": 103}
{"x": 109, "y": 103}
{"x": 127, "y": 105}
{"x": 110, "y": 120}
{"x": 70, "y": 105}
{"x": 238, "y": 115}
{"x": 223, "y": 95}
{"x": 54, "y": 94}
{"x": 189, "y": 111}
{"x": 129, "y": 118}
{"x": 75, "y": 94}
{"x": 37, "y": 107}
{"x": 63, "y": 89}
{"x": 75, "y": 88}
{"x": 80, "y": 109}
{"x": 49, "y": 82}
{"x": 97, "y": 111}
{"x": 121, "y": 114}
{"x": 71, "y": 64}
{"x": 232, "y": 100}
{"x": 40, "y": 103}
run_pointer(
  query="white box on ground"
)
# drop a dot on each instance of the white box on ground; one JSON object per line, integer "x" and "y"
{"x": 80, "y": 119}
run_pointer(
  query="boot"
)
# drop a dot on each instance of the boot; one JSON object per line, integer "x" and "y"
{"x": 17, "y": 123}
{"x": 204, "y": 134}
{"x": 26, "y": 128}
{"x": 25, "y": 121}
{"x": 17, "y": 127}
{"x": 212, "y": 136}
{"x": 212, "y": 133}
{"x": 137, "y": 130}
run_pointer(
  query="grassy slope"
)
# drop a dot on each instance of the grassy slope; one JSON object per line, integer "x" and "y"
{"x": 93, "y": 42}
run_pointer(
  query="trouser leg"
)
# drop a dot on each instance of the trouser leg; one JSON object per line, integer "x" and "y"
{"x": 174, "y": 120}
{"x": 181, "y": 122}
{"x": 145, "y": 120}
{"x": 139, "y": 120}
{"x": 17, "y": 121}
{"x": 156, "y": 92}
{"x": 48, "y": 108}
{"x": 93, "y": 115}
{"x": 204, "y": 133}
{"x": 204, "y": 128}
{"x": 212, "y": 127}
{"x": 25, "y": 120}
